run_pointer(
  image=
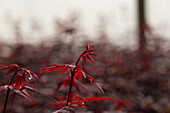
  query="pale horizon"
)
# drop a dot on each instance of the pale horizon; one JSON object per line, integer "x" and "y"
{"x": 120, "y": 15}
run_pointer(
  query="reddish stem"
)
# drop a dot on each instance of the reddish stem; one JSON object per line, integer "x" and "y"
{"x": 72, "y": 75}
{"x": 8, "y": 91}
{"x": 71, "y": 81}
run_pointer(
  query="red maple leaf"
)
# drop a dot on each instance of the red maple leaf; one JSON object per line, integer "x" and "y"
{"x": 17, "y": 86}
{"x": 12, "y": 67}
{"x": 55, "y": 67}
{"x": 80, "y": 102}
{"x": 85, "y": 56}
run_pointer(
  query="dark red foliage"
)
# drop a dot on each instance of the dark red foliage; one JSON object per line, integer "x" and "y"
{"x": 76, "y": 75}
{"x": 12, "y": 67}
{"x": 19, "y": 83}
{"x": 55, "y": 67}
{"x": 80, "y": 102}
{"x": 85, "y": 56}
{"x": 18, "y": 86}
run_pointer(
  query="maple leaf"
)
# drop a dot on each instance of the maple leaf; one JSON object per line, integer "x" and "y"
{"x": 80, "y": 103}
{"x": 61, "y": 101}
{"x": 35, "y": 91}
{"x": 12, "y": 67}
{"x": 85, "y": 56}
{"x": 55, "y": 67}
{"x": 18, "y": 86}
{"x": 17, "y": 69}
{"x": 99, "y": 99}
{"x": 20, "y": 92}
{"x": 29, "y": 73}
{"x": 81, "y": 73}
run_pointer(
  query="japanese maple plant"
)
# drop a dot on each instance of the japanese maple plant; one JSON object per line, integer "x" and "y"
{"x": 19, "y": 85}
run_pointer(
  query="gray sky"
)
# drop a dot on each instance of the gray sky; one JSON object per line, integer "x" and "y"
{"x": 121, "y": 15}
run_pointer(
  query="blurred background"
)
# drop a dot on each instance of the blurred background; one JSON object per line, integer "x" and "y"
{"x": 131, "y": 37}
